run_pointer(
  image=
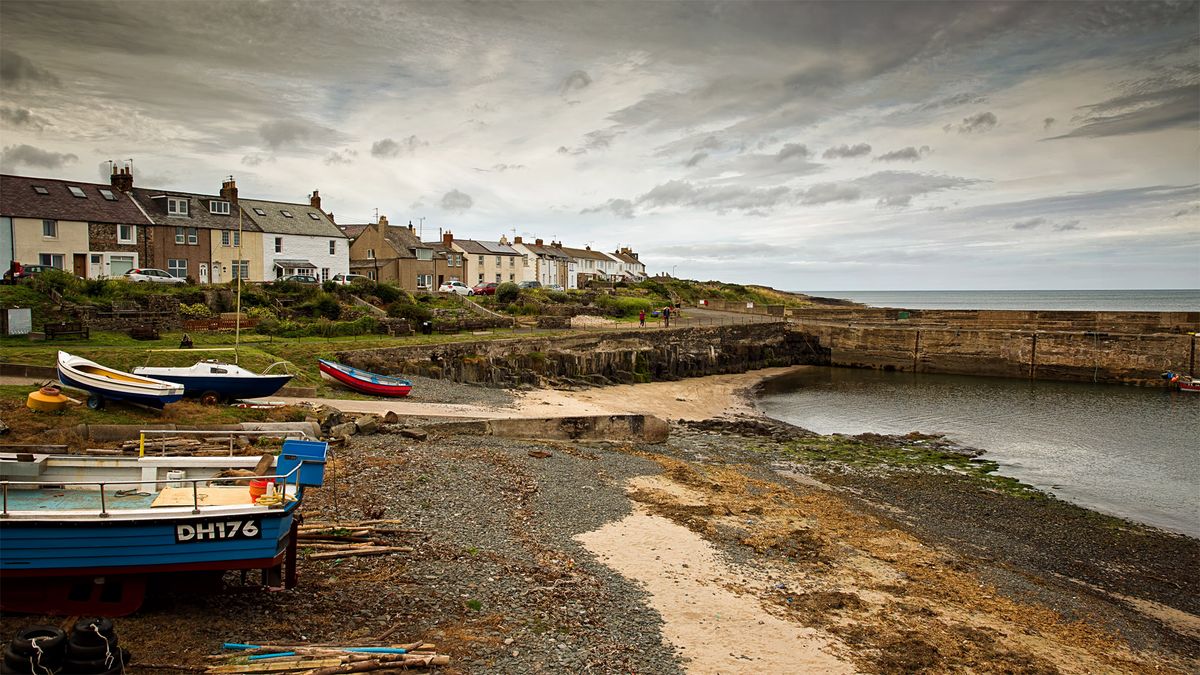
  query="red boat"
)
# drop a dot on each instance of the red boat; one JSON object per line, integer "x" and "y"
{"x": 362, "y": 381}
{"x": 1184, "y": 382}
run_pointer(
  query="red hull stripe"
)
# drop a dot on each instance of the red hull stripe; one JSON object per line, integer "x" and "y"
{"x": 258, "y": 563}
{"x": 363, "y": 385}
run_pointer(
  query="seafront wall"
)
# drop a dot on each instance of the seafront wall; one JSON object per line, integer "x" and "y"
{"x": 609, "y": 357}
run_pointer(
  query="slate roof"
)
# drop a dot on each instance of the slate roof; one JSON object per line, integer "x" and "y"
{"x": 19, "y": 200}
{"x": 154, "y": 203}
{"x": 403, "y": 240}
{"x": 474, "y": 247}
{"x": 548, "y": 251}
{"x": 352, "y": 231}
{"x": 625, "y": 258}
{"x": 302, "y": 221}
{"x": 585, "y": 253}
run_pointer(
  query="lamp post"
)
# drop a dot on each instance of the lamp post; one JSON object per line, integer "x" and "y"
{"x": 673, "y": 270}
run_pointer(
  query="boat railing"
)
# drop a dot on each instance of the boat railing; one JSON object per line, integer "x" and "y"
{"x": 293, "y": 475}
{"x": 233, "y": 434}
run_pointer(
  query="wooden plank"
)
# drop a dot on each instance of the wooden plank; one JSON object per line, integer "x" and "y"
{"x": 267, "y": 667}
{"x": 236, "y": 495}
{"x": 349, "y": 553}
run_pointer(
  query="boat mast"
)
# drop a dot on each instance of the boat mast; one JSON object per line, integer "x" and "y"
{"x": 237, "y": 325}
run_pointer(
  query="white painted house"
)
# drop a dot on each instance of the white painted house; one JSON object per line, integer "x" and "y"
{"x": 299, "y": 239}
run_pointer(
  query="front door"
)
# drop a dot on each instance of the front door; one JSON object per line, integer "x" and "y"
{"x": 204, "y": 273}
{"x": 79, "y": 265}
{"x": 216, "y": 272}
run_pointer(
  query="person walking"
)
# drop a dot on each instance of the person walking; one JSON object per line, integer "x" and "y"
{"x": 642, "y": 318}
{"x": 667, "y": 317}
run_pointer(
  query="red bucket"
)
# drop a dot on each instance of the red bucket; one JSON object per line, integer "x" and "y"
{"x": 258, "y": 488}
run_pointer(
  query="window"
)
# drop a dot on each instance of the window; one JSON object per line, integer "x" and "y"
{"x": 497, "y": 261}
{"x": 497, "y": 277}
{"x": 260, "y": 212}
{"x": 526, "y": 261}
{"x": 313, "y": 216}
{"x": 225, "y": 238}
{"x": 180, "y": 233}
{"x": 279, "y": 244}
{"x": 193, "y": 236}
{"x": 237, "y": 239}
{"x": 40, "y": 190}
{"x": 216, "y": 206}
{"x": 512, "y": 277}
{"x": 50, "y": 229}
{"x": 512, "y": 262}
{"x": 54, "y": 260}
{"x": 241, "y": 269}
{"x": 78, "y": 192}
{"x": 481, "y": 277}
{"x": 177, "y": 206}
{"x": 108, "y": 194}
{"x": 333, "y": 247}
{"x": 177, "y": 267}
{"x": 371, "y": 275}
{"x": 424, "y": 254}
{"x": 370, "y": 253}
{"x": 324, "y": 274}
{"x": 424, "y": 281}
{"x": 287, "y": 214}
{"x": 481, "y": 262}
{"x": 126, "y": 234}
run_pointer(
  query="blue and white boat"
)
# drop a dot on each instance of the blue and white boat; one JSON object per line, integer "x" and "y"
{"x": 87, "y": 531}
{"x": 213, "y": 381}
{"x": 109, "y": 383}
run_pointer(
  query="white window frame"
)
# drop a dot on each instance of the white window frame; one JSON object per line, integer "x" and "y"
{"x": 219, "y": 207}
{"x": 333, "y": 247}
{"x": 424, "y": 254}
{"x": 224, "y": 237}
{"x": 177, "y": 206}
{"x": 180, "y": 234}
{"x": 324, "y": 274}
{"x": 44, "y": 257}
{"x": 131, "y": 239}
{"x": 193, "y": 236}
{"x": 370, "y": 253}
{"x": 173, "y": 268}
{"x": 237, "y": 239}
{"x": 52, "y": 225}
{"x": 240, "y": 267}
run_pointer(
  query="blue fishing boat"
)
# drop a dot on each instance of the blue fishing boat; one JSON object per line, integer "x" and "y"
{"x": 105, "y": 383}
{"x": 213, "y": 381}
{"x": 90, "y": 530}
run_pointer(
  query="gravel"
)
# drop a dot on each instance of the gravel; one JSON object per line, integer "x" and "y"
{"x": 430, "y": 390}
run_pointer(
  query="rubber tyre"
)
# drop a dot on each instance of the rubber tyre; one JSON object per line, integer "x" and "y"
{"x": 82, "y": 634}
{"x": 21, "y": 663}
{"x": 89, "y": 652}
{"x": 54, "y": 640}
{"x": 210, "y": 398}
{"x": 95, "y": 402}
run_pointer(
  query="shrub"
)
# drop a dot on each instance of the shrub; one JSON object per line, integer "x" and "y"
{"x": 195, "y": 311}
{"x": 56, "y": 281}
{"x": 326, "y": 306}
{"x": 259, "y": 313}
{"x": 410, "y": 311}
{"x": 507, "y": 292}
{"x": 616, "y": 305}
{"x": 388, "y": 293}
{"x": 328, "y": 286}
{"x": 560, "y": 297}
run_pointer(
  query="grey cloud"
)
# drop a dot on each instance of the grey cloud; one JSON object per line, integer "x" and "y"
{"x": 895, "y": 201}
{"x": 709, "y": 143}
{"x": 909, "y": 154}
{"x": 15, "y": 155}
{"x": 725, "y": 250}
{"x": 20, "y": 117}
{"x": 279, "y": 133}
{"x": 1048, "y": 122}
{"x": 1029, "y": 224}
{"x": 456, "y": 202}
{"x": 575, "y": 81}
{"x": 621, "y": 208}
{"x": 843, "y": 151}
{"x": 696, "y": 159}
{"x": 952, "y": 101}
{"x": 1186, "y": 211}
{"x": 345, "y": 156}
{"x": 792, "y": 150}
{"x": 388, "y": 148}
{"x": 1067, "y": 226}
{"x": 1150, "y": 105}
{"x": 893, "y": 187}
{"x": 564, "y": 150}
{"x": 256, "y": 159}
{"x": 977, "y": 123}
{"x": 19, "y": 72}
{"x": 501, "y": 168}
{"x": 719, "y": 198}
{"x": 824, "y": 193}
{"x": 600, "y": 139}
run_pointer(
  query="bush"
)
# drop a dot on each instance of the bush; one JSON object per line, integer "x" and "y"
{"x": 388, "y": 293}
{"x": 195, "y": 311}
{"x": 616, "y": 305}
{"x": 56, "y": 281}
{"x": 325, "y": 306}
{"x": 407, "y": 310}
{"x": 259, "y": 313}
{"x": 328, "y": 286}
{"x": 507, "y": 292}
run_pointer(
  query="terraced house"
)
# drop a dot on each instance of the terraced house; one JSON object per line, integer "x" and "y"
{"x": 546, "y": 264}
{"x": 490, "y": 261}
{"x": 296, "y": 239}
{"x": 91, "y": 230}
{"x": 393, "y": 253}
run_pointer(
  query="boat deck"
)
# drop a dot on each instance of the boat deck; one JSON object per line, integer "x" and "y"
{"x": 76, "y": 500}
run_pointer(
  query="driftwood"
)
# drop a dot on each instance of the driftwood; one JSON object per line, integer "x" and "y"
{"x": 332, "y": 660}
{"x": 352, "y": 552}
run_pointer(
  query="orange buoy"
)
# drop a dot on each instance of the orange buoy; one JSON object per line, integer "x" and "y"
{"x": 46, "y": 399}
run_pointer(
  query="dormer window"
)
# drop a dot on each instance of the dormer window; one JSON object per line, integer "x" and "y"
{"x": 177, "y": 206}
{"x": 219, "y": 207}
{"x": 260, "y": 212}
{"x": 287, "y": 214}
{"x": 108, "y": 194}
{"x": 40, "y": 190}
{"x": 313, "y": 216}
{"x": 78, "y": 192}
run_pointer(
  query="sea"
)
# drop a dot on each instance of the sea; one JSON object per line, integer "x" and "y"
{"x": 1127, "y": 451}
{"x": 1168, "y": 300}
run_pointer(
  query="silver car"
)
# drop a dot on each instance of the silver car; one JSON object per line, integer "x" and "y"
{"x": 151, "y": 274}
{"x": 455, "y": 287}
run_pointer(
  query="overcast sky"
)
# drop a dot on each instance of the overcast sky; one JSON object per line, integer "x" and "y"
{"x": 808, "y": 146}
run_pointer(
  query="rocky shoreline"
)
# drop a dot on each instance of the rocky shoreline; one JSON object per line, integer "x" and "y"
{"x": 739, "y": 545}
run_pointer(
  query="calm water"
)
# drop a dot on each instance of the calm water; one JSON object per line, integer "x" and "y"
{"x": 1187, "y": 300}
{"x": 1131, "y": 452}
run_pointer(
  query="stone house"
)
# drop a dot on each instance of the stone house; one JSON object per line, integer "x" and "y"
{"x": 393, "y": 254}
{"x": 448, "y": 264}
{"x": 91, "y": 230}
{"x": 490, "y": 261}
{"x": 546, "y": 264}
{"x": 296, "y": 239}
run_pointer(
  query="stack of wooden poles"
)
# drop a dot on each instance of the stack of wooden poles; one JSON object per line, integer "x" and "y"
{"x": 355, "y": 538}
{"x": 328, "y": 659}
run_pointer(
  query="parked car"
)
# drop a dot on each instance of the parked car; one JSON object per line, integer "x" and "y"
{"x": 530, "y": 284}
{"x": 347, "y": 279}
{"x": 455, "y": 287}
{"x": 553, "y": 287}
{"x": 486, "y": 289}
{"x": 301, "y": 279}
{"x": 143, "y": 274}
{"x": 18, "y": 272}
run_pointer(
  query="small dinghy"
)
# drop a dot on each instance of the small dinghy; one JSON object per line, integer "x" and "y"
{"x": 108, "y": 383}
{"x": 361, "y": 380}
{"x": 214, "y": 381}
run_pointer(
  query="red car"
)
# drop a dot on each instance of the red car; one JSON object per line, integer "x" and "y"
{"x": 486, "y": 289}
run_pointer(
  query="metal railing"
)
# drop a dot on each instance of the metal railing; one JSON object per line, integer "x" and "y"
{"x": 294, "y": 474}
{"x": 282, "y": 433}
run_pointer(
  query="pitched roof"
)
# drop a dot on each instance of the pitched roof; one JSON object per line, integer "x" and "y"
{"x": 625, "y": 258}
{"x": 352, "y": 231}
{"x": 585, "y": 253}
{"x": 547, "y": 251}
{"x": 475, "y": 247}
{"x": 304, "y": 220}
{"x": 19, "y": 199}
{"x": 154, "y": 203}
{"x": 402, "y": 239}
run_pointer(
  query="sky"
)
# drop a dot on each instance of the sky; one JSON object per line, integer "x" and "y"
{"x": 805, "y": 146}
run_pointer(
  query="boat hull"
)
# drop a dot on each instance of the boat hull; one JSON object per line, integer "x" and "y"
{"x": 362, "y": 381}
{"x": 113, "y": 384}
{"x": 154, "y": 400}
{"x": 227, "y": 387}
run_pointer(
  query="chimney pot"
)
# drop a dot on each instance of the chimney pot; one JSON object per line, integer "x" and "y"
{"x": 538, "y": 242}
{"x": 447, "y": 239}
{"x": 122, "y": 179}
{"x": 229, "y": 190}
{"x": 517, "y": 240}
{"x": 315, "y": 200}
{"x": 383, "y": 221}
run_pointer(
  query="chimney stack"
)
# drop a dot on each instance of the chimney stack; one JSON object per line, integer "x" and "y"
{"x": 122, "y": 179}
{"x": 537, "y": 242}
{"x": 517, "y": 240}
{"x": 315, "y": 200}
{"x": 383, "y": 221}
{"x": 410, "y": 227}
{"x": 229, "y": 190}
{"x": 447, "y": 239}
